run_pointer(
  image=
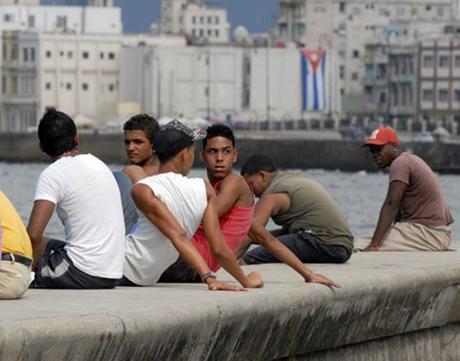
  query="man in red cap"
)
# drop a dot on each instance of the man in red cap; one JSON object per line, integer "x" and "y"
{"x": 414, "y": 215}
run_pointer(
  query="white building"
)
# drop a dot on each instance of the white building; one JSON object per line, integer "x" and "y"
{"x": 194, "y": 19}
{"x": 76, "y": 73}
{"x": 191, "y": 81}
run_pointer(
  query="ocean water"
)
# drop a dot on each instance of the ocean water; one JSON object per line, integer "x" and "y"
{"x": 359, "y": 195}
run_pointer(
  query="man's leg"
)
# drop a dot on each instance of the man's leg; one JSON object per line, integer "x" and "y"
{"x": 307, "y": 247}
{"x": 14, "y": 280}
{"x": 179, "y": 272}
{"x": 129, "y": 208}
{"x": 410, "y": 236}
{"x": 56, "y": 270}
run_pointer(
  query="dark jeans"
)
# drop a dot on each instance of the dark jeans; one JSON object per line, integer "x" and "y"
{"x": 179, "y": 272}
{"x": 307, "y": 247}
{"x": 56, "y": 270}
{"x": 129, "y": 208}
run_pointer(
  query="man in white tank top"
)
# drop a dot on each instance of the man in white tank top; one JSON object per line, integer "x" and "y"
{"x": 172, "y": 207}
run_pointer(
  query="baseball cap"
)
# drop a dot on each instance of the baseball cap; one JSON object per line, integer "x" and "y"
{"x": 381, "y": 136}
{"x": 174, "y": 136}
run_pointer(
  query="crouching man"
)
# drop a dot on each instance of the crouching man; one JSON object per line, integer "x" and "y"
{"x": 173, "y": 206}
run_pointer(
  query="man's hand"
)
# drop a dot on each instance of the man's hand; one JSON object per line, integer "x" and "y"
{"x": 215, "y": 285}
{"x": 255, "y": 280}
{"x": 318, "y": 278}
{"x": 371, "y": 248}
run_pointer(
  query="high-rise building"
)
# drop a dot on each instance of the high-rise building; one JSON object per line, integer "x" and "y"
{"x": 19, "y": 2}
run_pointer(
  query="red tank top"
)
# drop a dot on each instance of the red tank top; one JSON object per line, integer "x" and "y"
{"x": 234, "y": 224}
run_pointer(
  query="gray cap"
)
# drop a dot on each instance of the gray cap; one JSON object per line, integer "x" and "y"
{"x": 174, "y": 136}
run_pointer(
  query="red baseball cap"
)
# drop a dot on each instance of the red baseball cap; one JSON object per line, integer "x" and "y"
{"x": 381, "y": 136}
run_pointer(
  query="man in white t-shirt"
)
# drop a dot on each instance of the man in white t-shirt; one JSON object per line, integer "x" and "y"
{"x": 173, "y": 206}
{"x": 85, "y": 195}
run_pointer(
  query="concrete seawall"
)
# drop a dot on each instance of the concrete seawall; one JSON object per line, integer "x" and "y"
{"x": 392, "y": 306}
{"x": 289, "y": 151}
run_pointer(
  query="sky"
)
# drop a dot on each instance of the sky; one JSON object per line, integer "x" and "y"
{"x": 255, "y": 15}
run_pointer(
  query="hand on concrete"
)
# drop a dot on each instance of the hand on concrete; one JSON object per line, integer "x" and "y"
{"x": 214, "y": 285}
{"x": 255, "y": 280}
{"x": 318, "y": 278}
{"x": 371, "y": 248}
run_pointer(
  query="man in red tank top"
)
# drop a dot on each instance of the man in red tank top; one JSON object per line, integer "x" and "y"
{"x": 235, "y": 207}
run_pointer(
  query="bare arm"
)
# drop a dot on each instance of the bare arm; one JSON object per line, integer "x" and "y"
{"x": 39, "y": 218}
{"x": 260, "y": 235}
{"x": 135, "y": 173}
{"x": 388, "y": 214}
{"x": 157, "y": 213}
{"x": 219, "y": 248}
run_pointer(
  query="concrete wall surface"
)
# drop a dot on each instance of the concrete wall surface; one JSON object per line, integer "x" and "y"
{"x": 290, "y": 150}
{"x": 387, "y": 301}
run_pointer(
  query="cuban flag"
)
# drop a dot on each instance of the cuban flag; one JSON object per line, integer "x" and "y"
{"x": 313, "y": 79}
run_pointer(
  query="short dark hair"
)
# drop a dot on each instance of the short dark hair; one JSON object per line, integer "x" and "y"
{"x": 56, "y": 132}
{"x": 219, "y": 130}
{"x": 256, "y": 163}
{"x": 145, "y": 122}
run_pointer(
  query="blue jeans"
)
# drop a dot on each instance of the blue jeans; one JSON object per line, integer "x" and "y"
{"x": 129, "y": 208}
{"x": 306, "y": 246}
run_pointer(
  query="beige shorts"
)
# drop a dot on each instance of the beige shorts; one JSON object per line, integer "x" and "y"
{"x": 15, "y": 279}
{"x": 410, "y": 236}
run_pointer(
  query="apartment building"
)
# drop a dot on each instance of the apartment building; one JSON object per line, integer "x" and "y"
{"x": 345, "y": 27}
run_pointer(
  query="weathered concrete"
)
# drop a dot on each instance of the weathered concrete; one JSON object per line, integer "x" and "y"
{"x": 387, "y": 300}
{"x": 304, "y": 150}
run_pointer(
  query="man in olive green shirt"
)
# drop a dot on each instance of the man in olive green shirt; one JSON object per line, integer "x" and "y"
{"x": 313, "y": 227}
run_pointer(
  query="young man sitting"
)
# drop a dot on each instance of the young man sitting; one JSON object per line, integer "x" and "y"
{"x": 85, "y": 195}
{"x": 235, "y": 208}
{"x": 138, "y": 134}
{"x": 173, "y": 206}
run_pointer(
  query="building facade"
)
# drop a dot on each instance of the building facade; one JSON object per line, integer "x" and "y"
{"x": 347, "y": 26}
{"x": 200, "y": 23}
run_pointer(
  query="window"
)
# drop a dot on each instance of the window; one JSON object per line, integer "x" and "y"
{"x": 440, "y": 11}
{"x": 209, "y": 20}
{"x": 216, "y": 33}
{"x": 217, "y": 20}
{"x": 111, "y": 56}
{"x": 31, "y": 21}
{"x": 8, "y": 18}
{"x": 428, "y": 8}
{"x": 201, "y": 32}
{"x": 193, "y": 20}
{"x": 32, "y": 54}
{"x": 101, "y": 55}
{"x": 25, "y": 54}
{"x": 48, "y": 86}
{"x": 61, "y": 21}
{"x": 457, "y": 61}
{"x": 457, "y": 95}
{"x": 209, "y": 32}
{"x": 443, "y": 61}
{"x": 354, "y": 76}
{"x": 428, "y": 61}
{"x": 443, "y": 95}
{"x": 85, "y": 86}
{"x": 68, "y": 86}
{"x": 414, "y": 11}
{"x": 111, "y": 87}
{"x": 201, "y": 19}
{"x": 61, "y": 53}
{"x": 70, "y": 54}
{"x": 427, "y": 95}
{"x": 355, "y": 53}
{"x": 85, "y": 55}
{"x": 342, "y": 7}
{"x": 342, "y": 71}
{"x": 194, "y": 32}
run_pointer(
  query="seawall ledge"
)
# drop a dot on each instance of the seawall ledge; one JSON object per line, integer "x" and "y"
{"x": 383, "y": 296}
